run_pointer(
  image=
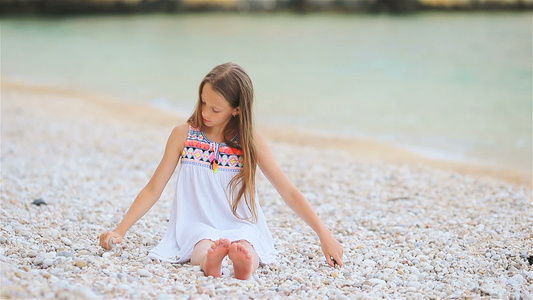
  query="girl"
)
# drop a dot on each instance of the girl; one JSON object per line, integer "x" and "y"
{"x": 215, "y": 211}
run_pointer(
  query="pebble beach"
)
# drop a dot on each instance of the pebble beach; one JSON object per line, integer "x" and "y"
{"x": 409, "y": 230}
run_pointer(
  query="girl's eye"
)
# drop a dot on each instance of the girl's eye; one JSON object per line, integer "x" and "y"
{"x": 216, "y": 111}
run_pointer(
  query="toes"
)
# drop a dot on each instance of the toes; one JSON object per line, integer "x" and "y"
{"x": 223, "y": 242}
{"x": 243, "y": 249}
{"x": 239, "y": 248}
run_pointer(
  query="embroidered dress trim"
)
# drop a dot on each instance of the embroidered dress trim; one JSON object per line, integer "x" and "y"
{"x": 200, "y": 151}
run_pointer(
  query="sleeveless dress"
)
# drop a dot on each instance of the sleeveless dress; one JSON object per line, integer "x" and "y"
{"x": 201, "y": 209}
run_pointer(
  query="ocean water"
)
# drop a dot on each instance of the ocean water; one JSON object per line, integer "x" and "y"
{"x": 447, "y": 85}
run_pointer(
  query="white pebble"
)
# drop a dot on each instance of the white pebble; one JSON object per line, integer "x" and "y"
{"x": 56, "y": 271}
{"x": 66, "y": 241}
{"x": 144, "y": 273}
{"x": 369, "y": 263}
{"x": 66, "y": 254}
{"x": 48, "y": 262}
{"x": 428, "y": 268}
{"x": 147, "y": 260}
{"x": 85, "y": 292}
{"x": 376, "y": 281}
{"x": 414, "y": 284}
{"x": 196, "y": 268}
{"x": 225, "y": 272}
{"x": 516, "y": 280}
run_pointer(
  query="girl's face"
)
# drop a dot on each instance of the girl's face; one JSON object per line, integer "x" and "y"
{"x": 216, "y": 111}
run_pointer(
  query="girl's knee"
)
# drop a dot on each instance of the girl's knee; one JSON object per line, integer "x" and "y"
{"x": 203, "y": 243}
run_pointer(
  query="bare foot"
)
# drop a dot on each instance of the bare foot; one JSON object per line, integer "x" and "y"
{"x": 242, "y": 261}
{"x": 214, "y": 257}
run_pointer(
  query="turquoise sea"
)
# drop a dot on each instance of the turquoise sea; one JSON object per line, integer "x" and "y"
{"x": 447, "y": 85}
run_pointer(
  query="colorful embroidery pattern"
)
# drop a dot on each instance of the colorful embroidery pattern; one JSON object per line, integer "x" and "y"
{"x": 201, "y": 151}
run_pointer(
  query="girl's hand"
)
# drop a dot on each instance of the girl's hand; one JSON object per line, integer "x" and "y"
{"x": 106, "y": 236}
{"x": 332, "y": 249}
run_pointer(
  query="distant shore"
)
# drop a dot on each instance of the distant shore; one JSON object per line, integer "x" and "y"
{"x": 67, "y": 7}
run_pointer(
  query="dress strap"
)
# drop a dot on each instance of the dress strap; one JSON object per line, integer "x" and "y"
{"x": 193, "y": 129}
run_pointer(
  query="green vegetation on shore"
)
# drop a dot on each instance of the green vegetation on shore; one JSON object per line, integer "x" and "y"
{"x": 60, "y": 7}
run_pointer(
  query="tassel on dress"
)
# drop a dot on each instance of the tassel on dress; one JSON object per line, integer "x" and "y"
{"x": 214, "y": 164}
{"x": 214, "y": 160}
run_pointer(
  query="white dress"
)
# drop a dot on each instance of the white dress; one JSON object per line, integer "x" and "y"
{"x": 201, "y": 209}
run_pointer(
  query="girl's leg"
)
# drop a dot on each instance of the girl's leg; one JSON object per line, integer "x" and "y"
{"x": 209, "y": 255}
{"x": 245, "y": 259}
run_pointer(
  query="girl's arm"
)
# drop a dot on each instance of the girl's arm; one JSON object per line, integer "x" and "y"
{"x": 152, "y": 191}
{"x": 296, "y": 201}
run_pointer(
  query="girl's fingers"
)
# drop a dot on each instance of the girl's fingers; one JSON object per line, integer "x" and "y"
{"x": 118, "y": 240}
{"x": 106, "y": 236}
{"x": 337, "y": 261}
{"x": 114, "y": 240}
{"x": 333, "y": 252}
{"x": 332, "y": 261}
{"x": 103, "y": 240}
{"x": 329, "y": 260}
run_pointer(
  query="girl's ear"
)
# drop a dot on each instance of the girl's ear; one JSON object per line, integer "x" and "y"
{"x": 236, "y": 111}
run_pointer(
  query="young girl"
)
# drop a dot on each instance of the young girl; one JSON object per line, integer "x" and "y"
{"x": 215, "y": 212}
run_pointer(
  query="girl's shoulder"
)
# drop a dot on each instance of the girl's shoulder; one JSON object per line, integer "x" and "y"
{"x": 179, "y": 134}
{"x": 261, "y": 145}
{"x": 259, "y": 140}
{"x": 182, "y": 129}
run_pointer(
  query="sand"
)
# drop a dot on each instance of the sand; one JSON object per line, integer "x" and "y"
{"x": 411, "y": 227}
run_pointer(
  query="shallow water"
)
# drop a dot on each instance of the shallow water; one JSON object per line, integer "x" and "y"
{"x": 453, "y": 86}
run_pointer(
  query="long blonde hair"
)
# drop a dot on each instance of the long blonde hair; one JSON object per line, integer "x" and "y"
{"x": 232, "y": 82}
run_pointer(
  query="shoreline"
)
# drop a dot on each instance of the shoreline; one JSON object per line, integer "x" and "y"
{"x": 381, "y": 151}
{"x": 372, "y": 150}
